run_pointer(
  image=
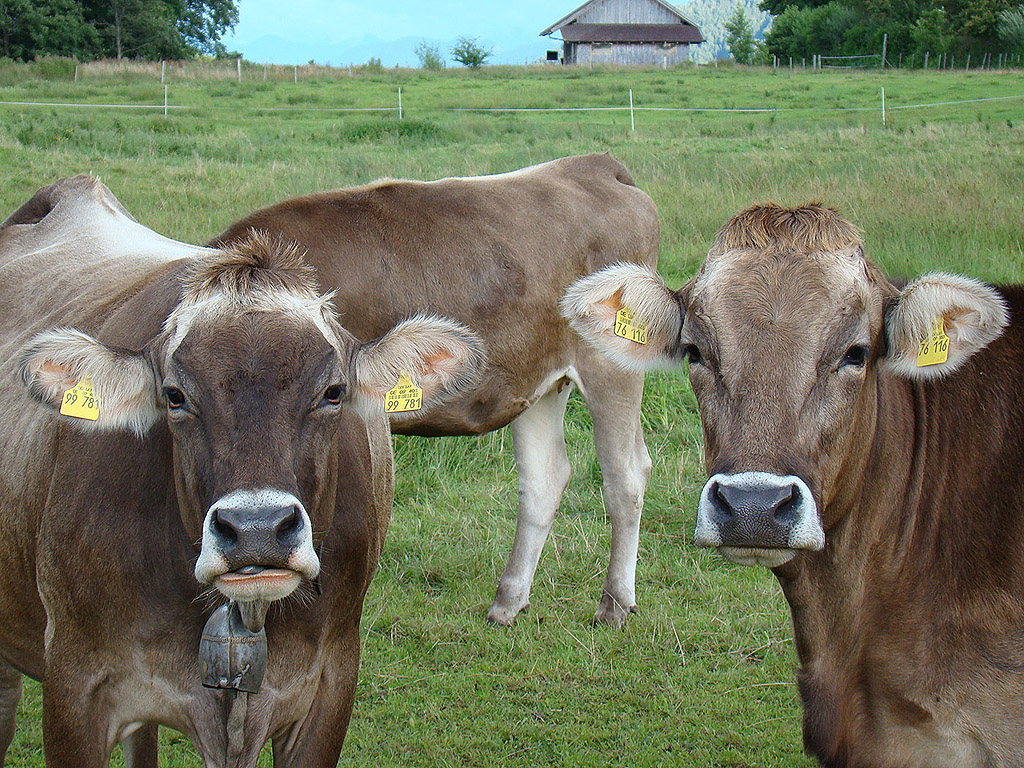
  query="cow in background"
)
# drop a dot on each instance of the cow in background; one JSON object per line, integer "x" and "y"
{"x": 866, "y": 443}
{"x": 496, "y": 253}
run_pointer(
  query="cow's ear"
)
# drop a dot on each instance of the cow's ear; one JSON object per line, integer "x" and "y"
{"x": 420, "y": 363}
{"x": 628, "y": 313}
{"x": 938, "y": 321}
{"x": 93, "y": 385}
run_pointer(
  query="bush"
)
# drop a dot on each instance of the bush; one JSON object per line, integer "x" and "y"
{"x": 429, "y": 56}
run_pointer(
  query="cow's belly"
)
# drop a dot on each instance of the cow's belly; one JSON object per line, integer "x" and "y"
{"x": 494, "y": 403}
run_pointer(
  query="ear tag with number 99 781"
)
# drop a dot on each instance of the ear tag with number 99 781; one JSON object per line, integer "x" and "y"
{"x": 80, "y": 401}
{"x": 405, "y": 396}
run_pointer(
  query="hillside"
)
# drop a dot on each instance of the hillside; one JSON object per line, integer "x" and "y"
{"x": 711, "y": 16}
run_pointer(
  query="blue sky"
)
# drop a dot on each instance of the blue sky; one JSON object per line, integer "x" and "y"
{"x": 293, "y": 32}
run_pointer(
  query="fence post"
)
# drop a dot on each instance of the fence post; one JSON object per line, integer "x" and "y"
{"x": 885, "y": 44}
{"x": 399, "y": 103}
{"x": 76, "y": 71}
{"x": 632, "y": 121}
{"x": 238, "y": 61}
{"x": 926, "y": 59}
{"x": 968, "y": 65}
{"x": 899, "y": 64}
{"x": 165, "y": 101}
{"x": 883, "y": 106}
{"x": 163, "y": 65}
{"x": 296, "y": 72}
{"x": 264, "y": 71}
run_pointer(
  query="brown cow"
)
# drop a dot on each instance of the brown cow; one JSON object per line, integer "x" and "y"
{"x": 239, "y": 448}
{"x": 497, "y": 253}
{"x": 835, "y": 407}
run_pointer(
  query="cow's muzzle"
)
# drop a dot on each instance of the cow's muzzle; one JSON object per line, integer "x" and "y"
{"x": 257, "y": 545}
{"x": 757, "y": 518}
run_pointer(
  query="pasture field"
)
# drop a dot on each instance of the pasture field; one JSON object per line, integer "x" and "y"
{"x": 703, "y": 675}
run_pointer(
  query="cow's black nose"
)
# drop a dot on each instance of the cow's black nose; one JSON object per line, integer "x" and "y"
{"x": 261, "y": 535}
{"x": 760, "y": 515}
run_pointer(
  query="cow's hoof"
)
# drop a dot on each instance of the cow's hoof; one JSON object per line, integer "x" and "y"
{"x": 503, "y": 615}
{"x": 611, "y": 612}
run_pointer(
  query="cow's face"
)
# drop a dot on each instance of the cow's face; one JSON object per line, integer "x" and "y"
{"x": 785, "y": 328}
{"x": 251, "y": 374}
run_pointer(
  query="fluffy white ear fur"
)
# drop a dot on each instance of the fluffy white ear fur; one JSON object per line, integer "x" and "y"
{"x": 591, "y": 303}
{"x": 124, "y": 383}
{"x": 972, "y": 313}
{"x": 441, "y": 356}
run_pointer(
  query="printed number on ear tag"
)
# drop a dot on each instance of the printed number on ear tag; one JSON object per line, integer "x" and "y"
{"x": 627, "y": 327}
{"x": 934, "y": 349}
{"x": 80, "y": 401}
{"x": 405, "y": 397}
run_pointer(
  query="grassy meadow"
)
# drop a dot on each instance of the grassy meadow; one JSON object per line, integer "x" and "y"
{"x": 703, "y": 675}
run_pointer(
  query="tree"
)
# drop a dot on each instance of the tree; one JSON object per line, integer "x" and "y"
{"x": 429, "y": 56}
{"x": 1011, "y": 28}
{"x": 931, "y": 33}
{"x": 739, "y": 37}
{"x": 468, "y": 53}
{"x": 88, "y": 29}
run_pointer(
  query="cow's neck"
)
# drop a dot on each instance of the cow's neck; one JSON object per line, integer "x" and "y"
{"x": 884, "y": 615}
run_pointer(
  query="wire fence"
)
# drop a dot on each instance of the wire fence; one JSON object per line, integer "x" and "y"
{"x": 400, "y": 111}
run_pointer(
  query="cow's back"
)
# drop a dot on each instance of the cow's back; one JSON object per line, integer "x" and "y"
{"x": 494, "y": 252}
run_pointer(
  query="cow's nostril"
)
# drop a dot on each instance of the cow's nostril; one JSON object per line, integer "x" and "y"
{"x": 224, "y": 530}
{"x": 288, "y": 525}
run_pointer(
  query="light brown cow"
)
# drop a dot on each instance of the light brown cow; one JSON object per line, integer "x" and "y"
{"x": 239, "y": 447}
{"x": 866, "y": 443}
{"x": 497, "y": 253}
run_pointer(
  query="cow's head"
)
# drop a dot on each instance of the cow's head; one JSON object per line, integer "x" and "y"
{"x": 252, "y": 373}
{"x": 786, "y": 328}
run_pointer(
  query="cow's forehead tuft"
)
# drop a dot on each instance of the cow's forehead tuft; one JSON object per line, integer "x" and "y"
{"x": 810, "y": 228}
{"x": 257, "y": 265}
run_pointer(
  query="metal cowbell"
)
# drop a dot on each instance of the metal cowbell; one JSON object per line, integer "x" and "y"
{"x": 230, "y": 655}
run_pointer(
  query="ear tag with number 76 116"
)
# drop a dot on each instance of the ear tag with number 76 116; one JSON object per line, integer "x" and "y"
{"x": 80, "y": 401}
{"x": 935, "y": 348}
{"x": 627, "y": 327}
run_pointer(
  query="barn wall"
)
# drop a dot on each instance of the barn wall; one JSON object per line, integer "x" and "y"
{"x": 645, "y": 54}
{"x": 628, "y": 12}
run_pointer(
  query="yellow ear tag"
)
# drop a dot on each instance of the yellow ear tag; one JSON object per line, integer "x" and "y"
{"x": 406, "y": 396}
{"x": 626, "y": 326}
{"x": 934, "y": 349}
{"x": 80, "y": 401}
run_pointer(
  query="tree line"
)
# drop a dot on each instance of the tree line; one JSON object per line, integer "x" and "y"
{"x": 95, "y": 29}
{"x": 802, "y": 29}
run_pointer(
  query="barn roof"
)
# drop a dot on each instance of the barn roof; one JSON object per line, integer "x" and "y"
{"x": 574, "y": 15}
{"x": 631, "y": 33}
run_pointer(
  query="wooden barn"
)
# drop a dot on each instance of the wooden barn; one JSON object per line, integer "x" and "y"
{"x": 626, "y": 32}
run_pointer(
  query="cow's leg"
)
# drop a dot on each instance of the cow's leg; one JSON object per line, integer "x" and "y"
{"x": 315, "y": 741}
{"x": 539, "y": 442}
{"x": 614, "y": 398}
{"x": 140, "y": 748}
{"x": 75, "y": 715}
{"x": 10, "y": 695}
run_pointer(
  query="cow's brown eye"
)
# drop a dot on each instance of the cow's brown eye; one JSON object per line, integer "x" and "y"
{"x": 856, "y": 355}
{"x": 334, "y": 393}
{"x": 692, "y": 354}
{"x": 175, "y": 398}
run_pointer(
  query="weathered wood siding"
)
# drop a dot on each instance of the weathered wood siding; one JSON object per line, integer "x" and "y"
{"x": 628, "y": 12}
{"x": 643, "y": 54}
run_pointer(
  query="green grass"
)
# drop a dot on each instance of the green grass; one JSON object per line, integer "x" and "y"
{"x": 703, "y": 674}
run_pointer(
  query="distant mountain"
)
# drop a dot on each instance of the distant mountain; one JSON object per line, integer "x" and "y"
{"x": 711, "y": 16}
{"x": 271, "y": 49}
